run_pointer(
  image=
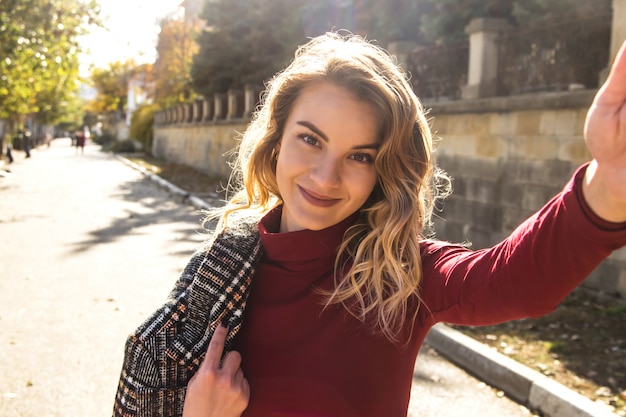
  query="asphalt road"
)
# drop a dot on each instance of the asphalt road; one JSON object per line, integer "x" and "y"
{"x": 88, "y": 248}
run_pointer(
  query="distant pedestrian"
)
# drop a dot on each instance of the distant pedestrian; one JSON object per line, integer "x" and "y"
{"x": 9, "y": 154}
{"x": 80, "y": 141}
{"x": 25, "y": 138}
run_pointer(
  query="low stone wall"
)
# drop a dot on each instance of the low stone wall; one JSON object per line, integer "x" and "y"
{"x": 203, "y": 146}
{"x": 507, "y": 156}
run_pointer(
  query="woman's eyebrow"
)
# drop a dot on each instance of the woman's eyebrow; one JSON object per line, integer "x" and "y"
{"x": 314, "y": 128}
{"x": 322, "y": 135}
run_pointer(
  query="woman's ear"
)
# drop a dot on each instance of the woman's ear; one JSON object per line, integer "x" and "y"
{"x": 276, "y": 150}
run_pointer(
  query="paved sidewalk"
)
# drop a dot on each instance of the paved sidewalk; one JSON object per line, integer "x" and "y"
{"x": 526, "y": 386}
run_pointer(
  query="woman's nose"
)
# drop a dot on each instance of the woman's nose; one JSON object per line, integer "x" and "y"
{"x": 327, "y": 172}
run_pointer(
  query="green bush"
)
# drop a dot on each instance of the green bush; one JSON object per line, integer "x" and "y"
{"x": 125, "y": 146}
{"x": 141, "y": 123}
{"x": 105, "y": 140}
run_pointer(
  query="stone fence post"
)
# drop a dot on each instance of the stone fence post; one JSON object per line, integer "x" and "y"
{"x": 483, "y": 57}
{"x": 207, "y": 109}
{"x": 197, "y": 111}
{"x": 401, "y": 50}
{"x": 235, "y": 104}
{"x": 251, "y": 98}
{"x": 219, "y": 110}
{"x": 180, "y": 113}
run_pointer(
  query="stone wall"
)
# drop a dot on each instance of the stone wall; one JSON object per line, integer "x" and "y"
{"x": 202, "y": 134}
{"x": 507, "y": 156}
{"x": 204, "y": 147}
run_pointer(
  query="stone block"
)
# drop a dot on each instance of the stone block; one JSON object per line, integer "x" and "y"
{"x": 513, "y": 217}
{"x": 489, "y": 146}
{"x": 510, "y": 195}
{"x": 547, "y": 126}
{"x": 525, "y": 172}
{"x": 542, "y": 148}
{"x": 481, "y": 190}
{"x": 574, "y": 150}
{"x": 536, "y": 196}
{"x": 459, "y": 186}
{"x": 559, "y": 172}
{"x": 458, "y": 145}
{"x": 533, "y": 148}
{"x": 439, "y": 124}
{"x": 449, "y": 230}
{"x": 581, "y": 116}
{"x": 566, "y": 122}
{"x": 502, "y": 123}
{"x": 527, "y": 123}
{"x": 470, "y": 124}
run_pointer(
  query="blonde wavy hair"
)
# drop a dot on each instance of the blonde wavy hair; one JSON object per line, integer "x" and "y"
{"x": 378, "y": 266}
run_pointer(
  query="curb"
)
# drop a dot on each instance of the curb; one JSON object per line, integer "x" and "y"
{"x": 195, "y": 201}
{"x": 524, "y": 385}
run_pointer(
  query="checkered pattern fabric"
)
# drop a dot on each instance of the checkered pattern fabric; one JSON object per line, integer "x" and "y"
{"x": 164, "y": 352}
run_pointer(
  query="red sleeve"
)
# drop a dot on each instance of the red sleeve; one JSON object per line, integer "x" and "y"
{"x": 526, "y": 275}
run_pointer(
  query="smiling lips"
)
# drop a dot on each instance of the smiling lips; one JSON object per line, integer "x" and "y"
{"x": 317, "y": 200}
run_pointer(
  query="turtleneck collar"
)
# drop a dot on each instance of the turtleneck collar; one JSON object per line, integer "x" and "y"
{"x": 302, "y": 245}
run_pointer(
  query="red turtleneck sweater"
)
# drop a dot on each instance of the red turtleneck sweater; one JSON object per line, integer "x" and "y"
{"x": 302, "y": 360}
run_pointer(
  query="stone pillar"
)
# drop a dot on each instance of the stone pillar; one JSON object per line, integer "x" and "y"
{"x": 180, "y": 113}
{"x": 197, "y": 111}
{"x": 401, "y": 50}
{"x": 219, "y": 106}
{"x": 618, "y": 35}
{"x": 189, "y": 113}
{"x": 483, "y": 56}
{"x": 251, "y": 99}
{"x": 207, "y": 109}
{"x": 235, "y": 104}
{"x": 185, "y": 113}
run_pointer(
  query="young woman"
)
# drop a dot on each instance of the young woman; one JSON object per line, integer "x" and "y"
{"x": 321, "y": 283}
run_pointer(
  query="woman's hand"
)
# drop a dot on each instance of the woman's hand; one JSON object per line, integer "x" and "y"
{"x": 214, "y": 390}
{"x": 605, "y": 132}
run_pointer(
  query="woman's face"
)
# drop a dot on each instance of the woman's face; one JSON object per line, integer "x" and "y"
{"x": 325, "y": 169}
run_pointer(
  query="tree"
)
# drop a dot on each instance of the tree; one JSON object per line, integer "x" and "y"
{"x": 176, "y": 46}
{"x": 39, "y": 67}
{"x": 112, "y": 86}
{"x": 444, "y": 21}
{"x": 244, "y": 41}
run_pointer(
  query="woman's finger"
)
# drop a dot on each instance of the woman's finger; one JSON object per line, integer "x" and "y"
{"x": 231, "y": 362}
{"x": 216, "y": 348}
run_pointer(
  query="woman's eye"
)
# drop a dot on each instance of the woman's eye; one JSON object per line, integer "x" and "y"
{"x": 363, "y": 158}
{"x": 309, "y": 139}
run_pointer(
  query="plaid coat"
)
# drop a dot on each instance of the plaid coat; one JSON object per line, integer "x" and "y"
{"x": 164, "y": 352}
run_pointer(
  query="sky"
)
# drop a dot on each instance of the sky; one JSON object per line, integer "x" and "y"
{"x": 131, "y": 32}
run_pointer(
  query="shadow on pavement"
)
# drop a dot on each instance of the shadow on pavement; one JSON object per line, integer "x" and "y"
{"x": 152, "y": 206}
